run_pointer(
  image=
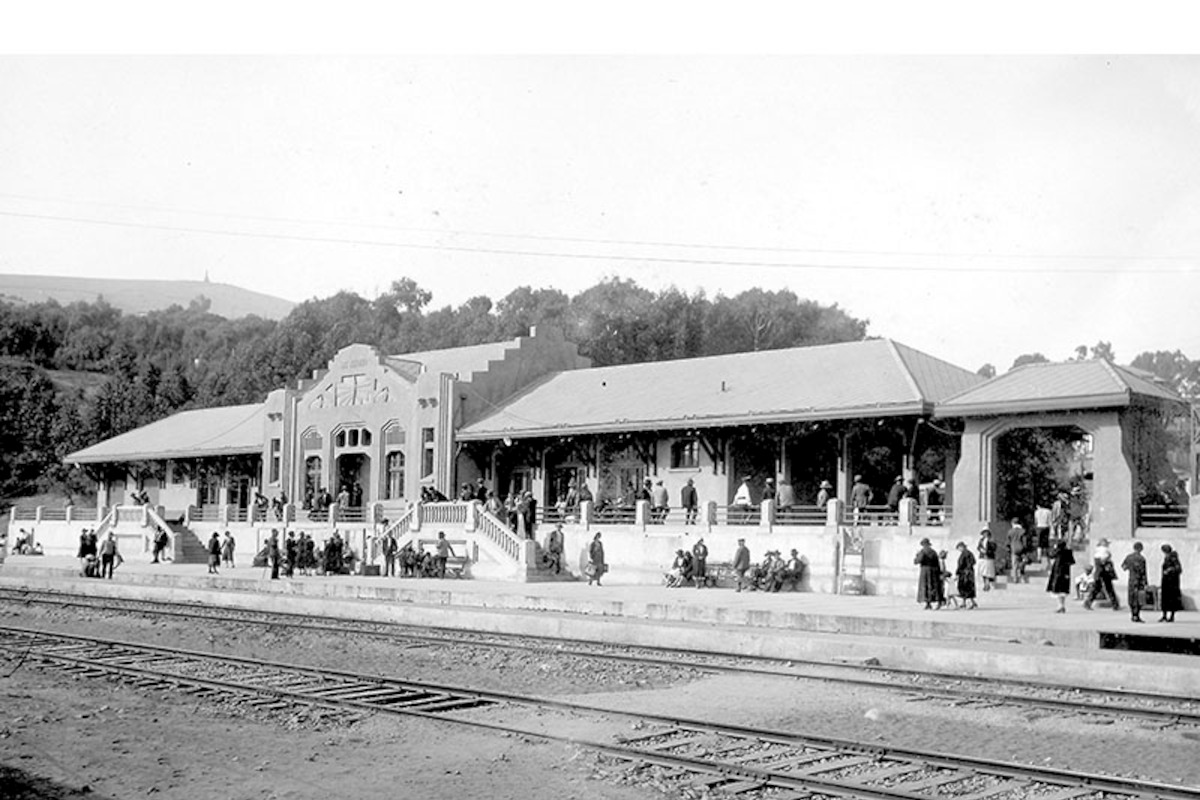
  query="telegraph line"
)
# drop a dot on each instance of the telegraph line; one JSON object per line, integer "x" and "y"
{"x": 793, "y": 265}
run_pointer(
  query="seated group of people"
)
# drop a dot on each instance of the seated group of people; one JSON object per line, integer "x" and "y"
{"x": 24, "y": 545}
{"x": 775, "y": 572}
{"x": 684, "y": 571}
{"x": 416, "y": 563}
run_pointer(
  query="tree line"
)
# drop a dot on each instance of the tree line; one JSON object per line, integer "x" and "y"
{"x": 72, "y": 375}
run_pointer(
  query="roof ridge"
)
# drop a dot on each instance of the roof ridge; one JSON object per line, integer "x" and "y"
{"x": 1112, "y": 373}
{"x": 905, "y": 367}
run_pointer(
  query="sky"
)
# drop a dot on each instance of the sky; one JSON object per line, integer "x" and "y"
{"x": 977, "y": 207}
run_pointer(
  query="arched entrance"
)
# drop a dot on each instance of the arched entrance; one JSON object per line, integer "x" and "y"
{"x": 1108, "y": 459}
{"x": 1034, "y": 464}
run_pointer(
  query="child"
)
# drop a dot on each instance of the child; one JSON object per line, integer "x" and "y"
{"x": 1084, "y": 583}
{"x": 949, "y": 582}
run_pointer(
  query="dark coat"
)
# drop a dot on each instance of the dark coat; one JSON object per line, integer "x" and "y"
{"x": 931, "y": 575}
{"x": 965, "y": 573}
{"x": 687, "y": 497}
{"x": 1060, "y": 571}
{"x": 741, "y": 559}
{"x": 1172, "y": 598}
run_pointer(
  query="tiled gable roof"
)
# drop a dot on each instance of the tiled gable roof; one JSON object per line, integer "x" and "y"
{"x": 853, "y": 379}
{"x": 1056, "y": 387}
{"x": 230, "y": 430}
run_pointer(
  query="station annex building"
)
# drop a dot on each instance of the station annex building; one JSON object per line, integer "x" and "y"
{"x": 374, "y": 430}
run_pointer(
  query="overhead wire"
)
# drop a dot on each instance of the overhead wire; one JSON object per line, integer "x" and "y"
{"x": 599, "y": 240}
{"x": 527, "y": 253}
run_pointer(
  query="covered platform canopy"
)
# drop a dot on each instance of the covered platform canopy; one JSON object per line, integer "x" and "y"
{"x": 852, "y": 380}
{"x": 1121, "y": 410}
{"x": 202, "y": 433}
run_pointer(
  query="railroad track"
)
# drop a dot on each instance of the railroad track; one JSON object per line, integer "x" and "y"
{"x": 737, "y": 760}
{"x": 957, "y": 690}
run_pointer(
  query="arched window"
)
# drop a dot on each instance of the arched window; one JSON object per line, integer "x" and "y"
{"x": 395, "y": 476}
{"x": 312, "y": 476}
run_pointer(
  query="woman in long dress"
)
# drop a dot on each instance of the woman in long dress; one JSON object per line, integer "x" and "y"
{"x": 965, "y": 572}
{"x": 931, "y": 574}
{"x": 1059, "y": 583}
{"x": 1172, "y": 599}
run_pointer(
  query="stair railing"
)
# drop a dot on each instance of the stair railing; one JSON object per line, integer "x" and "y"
{"x": 500, "y": 535}
{"x": 109, "y": 520}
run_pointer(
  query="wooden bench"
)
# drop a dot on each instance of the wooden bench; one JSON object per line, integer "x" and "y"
{"x": 455, "y": 564}
{"x": 720, "y": 574}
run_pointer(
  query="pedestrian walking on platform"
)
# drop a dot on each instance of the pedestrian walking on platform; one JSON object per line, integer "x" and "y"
{"x": 227, "y": 550}
{"x": 273, "y": 554}
{"x": 987, "y": 559}
{"x": 1016, "y": 552}
{"x": 964, "y": 573}
{"x": 555, "y": 544}
{"x": 741, "y": 563}
{"x": 161, "y": 540}
{"x": 444, "y": 551}
{"x": 1059, "y": 582}
{"x": 1104, "y": 572}
{"x": 930, "y": 577}
{"x": 596, "y": 566}
{"x": 389, "y": 555}
{"x": 110, "y": 556}
{"x": 1172, "y": 599}
{"x": 1135, "y": 565}
{"x": 214, "y": 553}
{"x": 700, "y": 563}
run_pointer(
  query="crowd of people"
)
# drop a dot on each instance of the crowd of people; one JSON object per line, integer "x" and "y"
{"x": 98, "y": 558}
{"x": 939, "y": 586}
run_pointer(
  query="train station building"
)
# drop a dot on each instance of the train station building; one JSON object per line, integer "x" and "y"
{"x": 363, "y": 440}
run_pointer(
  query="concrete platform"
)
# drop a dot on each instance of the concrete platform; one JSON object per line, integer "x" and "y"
{"x": 1014, "y": 633}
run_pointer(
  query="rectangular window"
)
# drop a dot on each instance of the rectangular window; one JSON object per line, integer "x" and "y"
{"x": 685, "y": 454}
{"x": 395, "y": 476}
{"x": 276, "y": 460}
{"x": 427, "y": 455}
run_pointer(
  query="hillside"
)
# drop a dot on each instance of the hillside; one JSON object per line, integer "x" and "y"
{"x": 140, "y": 296}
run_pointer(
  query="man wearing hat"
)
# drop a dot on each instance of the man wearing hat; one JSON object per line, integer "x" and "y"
{"x": 741, "y": 563}
{"x": 860, "y": 497}
{"x": 823, "y": 494}
{"x": 929, "y": 581}
{"x": 700, "y": 562}
{"x": 1103, "y": 571}
{"x": 1077, "y": 509}
{"x": 895, "y": 494}
{"x": 786, "y": 498}
{"x": 690, "y": 502}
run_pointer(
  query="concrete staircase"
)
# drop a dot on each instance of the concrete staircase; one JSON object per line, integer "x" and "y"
{"x": 186, "y": 547}
{"x": 494, "y": 552}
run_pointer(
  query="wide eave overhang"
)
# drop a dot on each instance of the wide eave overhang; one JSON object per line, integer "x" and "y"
{"x": 918, "y": 408}
{"x": 83, "y": 457}
{"x": 1036, "y": 406}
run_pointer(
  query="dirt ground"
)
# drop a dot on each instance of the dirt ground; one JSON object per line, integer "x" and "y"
{"x": 66, "y": 737}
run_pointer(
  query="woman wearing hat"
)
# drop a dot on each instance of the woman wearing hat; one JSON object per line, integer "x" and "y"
{"x": 987, "y": 559}
{"x": 1059, "y": 583}
{"x": 964, "y": 572}
{"x": 931, "y": 575}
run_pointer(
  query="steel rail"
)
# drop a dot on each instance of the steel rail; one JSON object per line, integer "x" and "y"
{"x": 1101, "y": 704}
{"x": 122, "y": 658}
